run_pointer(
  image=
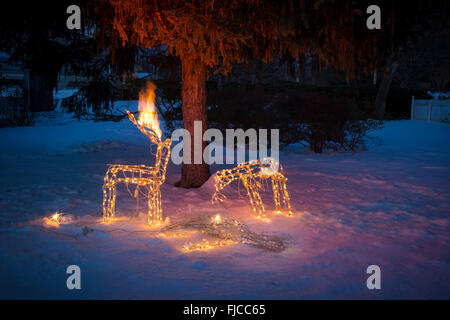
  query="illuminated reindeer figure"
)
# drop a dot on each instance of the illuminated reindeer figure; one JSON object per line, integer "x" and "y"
{"x": 252, "y": 174}
{"x": 151, "y": 178}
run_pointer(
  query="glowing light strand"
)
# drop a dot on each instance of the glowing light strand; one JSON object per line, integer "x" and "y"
{"x": 55, "y": 217}
{"x": 228, "y": 231}
{"x": 205, "y": 245}
{"x": 252, "y": 174}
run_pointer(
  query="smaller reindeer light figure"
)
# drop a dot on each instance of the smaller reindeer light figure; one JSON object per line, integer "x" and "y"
{"x": 149, "y": 178}
{"x": 252, "y": 174}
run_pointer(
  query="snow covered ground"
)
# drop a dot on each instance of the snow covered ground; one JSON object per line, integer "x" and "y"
{"x": 388, "y": 206}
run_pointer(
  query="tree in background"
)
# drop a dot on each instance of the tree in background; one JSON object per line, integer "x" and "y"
{"x": 405, "y": 25}
{"x": 36, "y": 38}
{"x": 425, "y": 63}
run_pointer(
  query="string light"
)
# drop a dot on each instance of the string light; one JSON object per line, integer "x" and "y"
{"x": 54, "y": 219}
{"x": 228, "y": 231}
{"x": 58, "y": 218}
{"x": 148, "y": 178}
{"x": 206, "y": 245}
{"x": 252, "y": 174}
{"x": 217, "y": 218}
{"x": 174, "y": 235}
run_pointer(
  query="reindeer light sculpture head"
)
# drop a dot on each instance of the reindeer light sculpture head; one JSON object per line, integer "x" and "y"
{"x": 252, "y": 174}
{"x": 148, "y": 178}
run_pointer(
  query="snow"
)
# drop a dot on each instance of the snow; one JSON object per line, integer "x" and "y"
{"x": 439, "y": 95}
{"x": 141, "y": 75}
{"x": 387, "y": 206}
{"x": 64, "y": 93}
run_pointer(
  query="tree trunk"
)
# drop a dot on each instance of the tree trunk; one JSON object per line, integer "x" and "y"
{"x": 40, "y": 92}
{"x": 193, "y": 92}
{"x": 219, "y": 82}
{"x": 383, "y": 90}
{"x": 257, "y": 69}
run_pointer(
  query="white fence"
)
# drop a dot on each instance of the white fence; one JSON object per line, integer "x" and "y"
{"x": 430, "y": 110}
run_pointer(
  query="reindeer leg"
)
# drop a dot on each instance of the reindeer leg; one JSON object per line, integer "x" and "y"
{"x": 105, "y": 197}
{"x": 109, "y": 195}
{"x": 112, "y": 201}
{"x": 260, "y": 204}
{"x": 255, "y": 198}
{"x": 249, "y": 193}
{"x": 154, "y": 206}
{"x": 276, "y": 195}
{"x": 285, "y": 196}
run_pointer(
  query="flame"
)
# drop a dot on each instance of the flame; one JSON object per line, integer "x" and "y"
{"x": 148, "y": 117}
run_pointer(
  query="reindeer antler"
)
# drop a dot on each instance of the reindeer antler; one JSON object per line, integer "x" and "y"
{"x": 150, "y": 133}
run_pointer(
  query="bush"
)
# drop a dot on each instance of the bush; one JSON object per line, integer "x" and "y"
{"x": 326, "y": 123}
{"x": 321, "y": 120}
{"x": 235, "y": 107}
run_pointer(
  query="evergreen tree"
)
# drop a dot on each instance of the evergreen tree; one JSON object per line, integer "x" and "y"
{"x": 36, "y": 37}
{"x": 208, "y": 35}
